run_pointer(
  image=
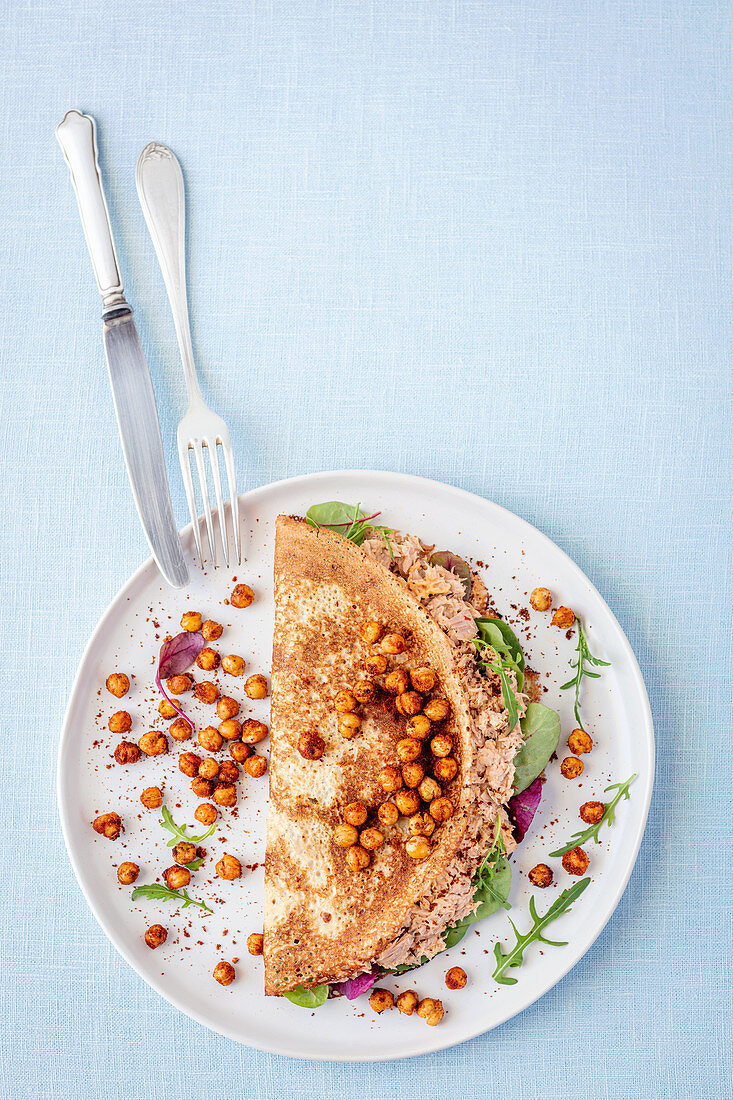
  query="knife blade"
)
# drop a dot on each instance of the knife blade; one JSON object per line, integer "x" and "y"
{"x": 132, "y": 387}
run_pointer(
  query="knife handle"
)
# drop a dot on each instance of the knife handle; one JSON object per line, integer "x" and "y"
{"x": 77, "y": 136}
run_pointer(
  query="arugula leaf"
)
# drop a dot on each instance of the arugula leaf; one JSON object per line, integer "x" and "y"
{"x": 492, "y": 882}
{"x": 180, "y": 832}
{"x": 515, "y": 957}
{"x": 155, "y": 891}
{"x": 347, "y": 520}
{"x": 591, "y": 833}
{"x": 308, "y": 998}
{"x": 585, "y": 657}
{"x": 194, "y": 864}
{"x": 541, "y": 732}
{"x": 503, "y": 641}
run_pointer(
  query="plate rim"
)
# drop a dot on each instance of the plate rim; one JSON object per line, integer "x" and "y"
{"x": 280, "y": 1049}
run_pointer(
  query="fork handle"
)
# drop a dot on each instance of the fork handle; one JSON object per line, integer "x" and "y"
{"x": 159, "y": 182}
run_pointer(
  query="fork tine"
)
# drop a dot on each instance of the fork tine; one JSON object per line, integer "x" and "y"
{"x": 183, "y": 449}
{"x": 198, "y": 452}
{"x": 214, "y": 461}
{"x": 226, "y": 447}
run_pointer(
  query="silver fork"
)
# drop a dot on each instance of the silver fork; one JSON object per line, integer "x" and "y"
{"x": 160, "y": 187}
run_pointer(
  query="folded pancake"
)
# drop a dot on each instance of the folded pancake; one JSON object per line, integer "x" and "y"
{"x": 324, "y": 922}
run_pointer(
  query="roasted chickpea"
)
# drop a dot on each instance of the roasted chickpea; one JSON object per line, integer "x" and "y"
{"x": 228, "y": 772}
{"x": 371, "y": 839}
{"x": 413, "y": 774}
{"x": 575, "y": 861}
{"x": 397, "y": 681}
{"x": 423, "y": 679}
{"x": 375, "y": 664}
{"x": 407, "y": 1002}
{"x": 365, "y": 691}
{"x": 255, "y": 943}
{"x": 357, "y": 858}
{"x": 153, "y": 743}
{"x": 211, "y": 630}
{"x": 419, "y": 726}
{"x": 166, "y": 710}
{"x": 118, "y": 684}
{"x": 571, "y": 767}
{"x": 239, "y": 751}
{"x": 120, "y": 722}
{"x": 152, "y": 798}
{"x": 191, "y": 621}
{"x": 253, "y": 731}
{"x": 348, "y": 724}
{"x": 229, "y": 867}
{"x": 255, "y": 687}
{"x": 437, "y": 710}
{"x": 381, "y": 999}
{"x": 242, "y": 596}
{"x": 541, "y": 876}
{"x": 579, "y": 742}
{"x": 202, "y": 788}
{"x": 225, "y": 794}
{"x": 176, "y": 877}
{"x": 206, "y": 813}
{"x": 429, "y": 790}
{"x": 417, "y": 847}
{"x": 108, "y": 825}
{"x": 431, "y": 1011}
{"x": 255, "y": 766}
{"x": 441, "y": 745}
{"x": 592, "y": 812}
{"x": 209, "y": 768}
{"x": 456, "y": 977}
{"x": 227, "y": 707}
{"x": 355, "y": 813}
{"x": 345, "y": 701}
{"x": 210, "y": 739}
{"x": 184, "y": 852}
{"x": 345, "y": 835}
{"x": 127, "y": 873}
{"x": 371, "y": 632}
{"x": 445, "y": 769}
{"x": 189, "y": 763}
{"x": 441, "y": 809}
{"x": 388, "y": 813}
{"x": 127, "y": 752}
{"x": 206, "y": 691}
{"x": 179, "y": 685}
{"x": 407, "y": 802}
{"x": 541, "y": 599}
{"x": 224, "y": 973}
{"x": 409, "y": 703}
{"x": 311, "y": 745}
{"x": 155, "y": 936}
{"x": 390, "y": 779}
{"x": 233, "y": 664}
{"x": 180, "y": 730}
{"x": 408, "y": 749}
{"x": 421, "y": 825}
{"x": 230, "y": 729}
{"x": 208, "y": 659}
{"x": 563, "y": 618}
{"x": 393, "y": 644}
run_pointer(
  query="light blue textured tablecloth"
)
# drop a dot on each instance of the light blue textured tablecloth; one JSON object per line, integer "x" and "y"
{"x": 481, "y": 241}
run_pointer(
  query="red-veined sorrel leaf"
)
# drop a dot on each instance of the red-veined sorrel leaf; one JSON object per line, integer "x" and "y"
{"x": 176, "y": 655}
{"x": 523, "y": 807}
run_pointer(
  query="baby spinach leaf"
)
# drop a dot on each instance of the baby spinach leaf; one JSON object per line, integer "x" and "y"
{"x": 308, "y": 998}
{"x": 347, "y": 520}
{"x": 541, "y": 732}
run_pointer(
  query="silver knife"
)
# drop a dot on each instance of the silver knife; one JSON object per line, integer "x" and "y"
{"x": 129, "y": 376}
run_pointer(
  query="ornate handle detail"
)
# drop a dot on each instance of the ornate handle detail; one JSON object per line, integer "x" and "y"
{"x": 77, "y": 136}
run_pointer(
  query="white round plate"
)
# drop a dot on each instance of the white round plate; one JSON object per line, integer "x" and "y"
{"x": 516, "y": 558}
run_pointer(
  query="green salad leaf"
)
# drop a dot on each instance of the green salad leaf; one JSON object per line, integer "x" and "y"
{"x": 492, "y": 882}
{"x": 180, "y": 832}
{"x": 500, "y": 652}
{"x": 308, "y": 998}
{"x": 348, "y": 520}
{"x": 591, "y": 833}
{"x": 155, "y": 891}
{"x": 515, "y": 957}
{"x": 541, "y": 732}
{"x": 584, "y": 658}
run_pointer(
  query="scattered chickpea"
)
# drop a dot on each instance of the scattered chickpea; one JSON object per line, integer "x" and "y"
{"x": 421, "y": 824}
{"x": 393, "y": 644}
{"x": 563, "y": 618}
{"x": 225, "y": 794}
{"x": 191, "y": 621}
{"x": 441, "y": 809}
{"x": 344, "y": 701}
{"x": 579, "y": 742}
{"x": 120, "y": 722}
{"x": 231, "y": 729}
{"x": 541, "y": 876}
{"x": 357, "y": 858}
{"x": 408, "y": 749}
{"x": 209, "y": 768}
{"x": 155, "y": 936}
{"x": 418, "y": 847}
{"x": 233, "y": 664}
{"x": 390, "y": 779}
{"x": 206, "y": 813}
{"x": 118, "y": 684}
{"x": 202, "y": 788}
{"x": 184, "y": 852}
{"x": 437, "y": 710}
{"x": 208, "y": 659}
{"x": 456, "y": 978}
{"x": 344, "y": 836}
{"x": 153, "y": 743}
{"x": 239, "y": 751}
{"x": 429, "y": 790}
{"x": 108, "y": 825}
{"x": 375, "y": 664}
{"x": 255, "y": 687}
{"x": 228, "y": 772}
{"x": 348, "y": 724}
{"x": 127, "y": 752}
{"x": 253, "y": 732}
{"x": 371, "y": 839}
{"x": 227, "y": 707}
{"x": 365, "y": 691}
{"x": 397, "y": 681}
{"x": 211, "y": 630}
{"x": 541, "y": 599}
{"x": 176, "y": 877}
{"x": 189, "y": 763}
{"x": 571, "y": 767}
{"x": 206, "y": 691}
{"x": 371, "y": 632}
{"x": 242, "y": 596}
{"x": 210, "y": 739}
{"x": 413, "y": 774}
{"x": 224, "y": 973}
{"x": 575, "y": 861}
{"x": 407, "y": 1002}
{"x": 381, "y": 999}
{"x": 127, "y": 873}
{"x": 180, "y": 730}
{"x": 423, "y": 679}
{"x": 229, "y": 867}
{"x": 441, "y": 745}
{"x": 152, "y": 798}
{"x": 445, "y": 769}
{"x": 407, "y": 802}
{"x": 255, "y": 766}
{"x": 255, "y": 943}
{"x": 419, "y": 726}
{"x": 388, "y": 813}
{"x": 179, "y": 685}
{"x": 592, "y": 812}
{"x": 431, "y": 1011}
{"x": 166, "y": 710}
{"x": 409, "y": 703}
